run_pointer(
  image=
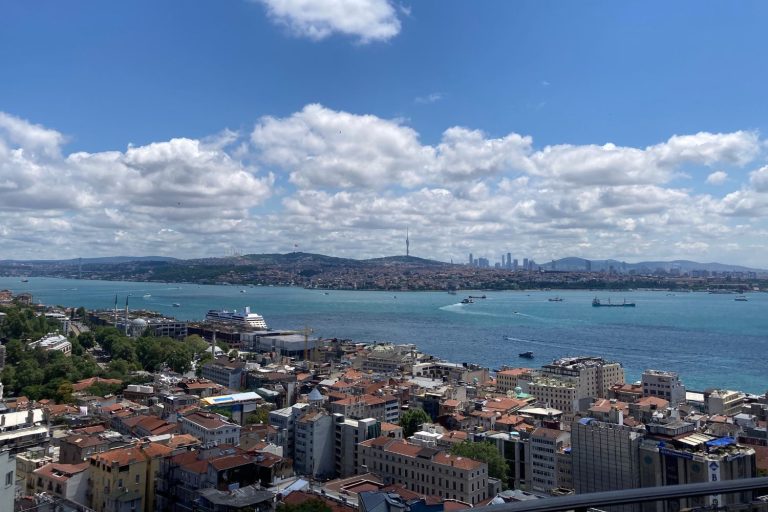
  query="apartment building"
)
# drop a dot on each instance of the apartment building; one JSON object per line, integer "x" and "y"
{"x": 511, "y": 378}
{"x": 695, "y": 458}
{"x": 426, "y": 470}
{"x": 67, "y": 481}
{"x": 314, "y": 441}
{"x": 725, "y": 402}
{"x": 594, "y": 376}
{"x": 384, "y": 408}
{"x": 284, "y": 421}
{"x": 211, "y": 429}
{"x": 123, "y": 479}
{"x": 348, "y": 433}
{"x": 661, "y": 384}
{"x": 546, "y": 445}
{"x": 606, "y": 457}
{"x": 225, "y": 372}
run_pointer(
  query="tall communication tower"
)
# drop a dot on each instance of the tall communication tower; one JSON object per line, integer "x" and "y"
{"x": 407, "y": 243}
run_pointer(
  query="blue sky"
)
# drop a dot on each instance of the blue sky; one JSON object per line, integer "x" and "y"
{"x": 547, "y": 129}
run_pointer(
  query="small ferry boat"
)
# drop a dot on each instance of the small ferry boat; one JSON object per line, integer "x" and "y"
{"x": 526, "y": 355}
{"x": 741, "y": 298}
{"x": 467, "y": 301}
{"x": 477, "y": 296}
{"x": 176, "y": 305}
{"x": 597, "y": 304}
{"x": 555, "y": 299}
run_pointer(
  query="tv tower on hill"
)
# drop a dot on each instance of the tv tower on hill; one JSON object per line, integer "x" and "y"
{"x": 407, "y": 243}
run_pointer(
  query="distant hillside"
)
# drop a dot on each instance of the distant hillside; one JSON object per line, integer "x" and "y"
{"x": 644, "y": 267}
{"x": 107, "y": 260}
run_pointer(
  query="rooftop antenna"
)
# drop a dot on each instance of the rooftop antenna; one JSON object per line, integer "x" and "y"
{"x": 407, "y": 243}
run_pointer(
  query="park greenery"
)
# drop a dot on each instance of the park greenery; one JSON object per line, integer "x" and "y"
{"x": 103, "y": 351}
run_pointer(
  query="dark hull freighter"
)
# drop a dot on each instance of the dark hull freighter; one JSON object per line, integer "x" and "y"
{"x": 597, "y": 304}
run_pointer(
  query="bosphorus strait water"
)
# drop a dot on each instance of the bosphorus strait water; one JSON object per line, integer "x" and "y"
{"x": 712, "y": 340}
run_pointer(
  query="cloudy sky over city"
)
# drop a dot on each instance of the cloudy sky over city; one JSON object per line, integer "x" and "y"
{"x": 634, "y": 131}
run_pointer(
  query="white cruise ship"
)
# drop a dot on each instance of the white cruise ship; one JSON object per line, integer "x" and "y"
{"x": 244, "y": 319}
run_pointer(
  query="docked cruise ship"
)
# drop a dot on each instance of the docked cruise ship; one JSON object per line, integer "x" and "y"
{"x": 240, "y": 319}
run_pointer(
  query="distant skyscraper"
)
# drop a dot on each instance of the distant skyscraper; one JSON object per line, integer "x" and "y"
{"x": 514, "y": 264}
{"x": 471, "y": 261}
{"x": 525, "y": 264}
{"x": 509, "y": 260}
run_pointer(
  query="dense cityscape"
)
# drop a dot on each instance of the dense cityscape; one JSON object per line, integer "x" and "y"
{"x": 131, "y": 410}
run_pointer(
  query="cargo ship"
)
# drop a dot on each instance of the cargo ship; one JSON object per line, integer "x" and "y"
{"x": 597, "y": 304}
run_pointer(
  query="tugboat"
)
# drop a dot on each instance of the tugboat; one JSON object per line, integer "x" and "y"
{"x": 467, "y": 301}
{"x": 526, "y": 355}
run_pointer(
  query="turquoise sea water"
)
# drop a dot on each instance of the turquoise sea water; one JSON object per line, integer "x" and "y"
{"x": 712, "y": 340}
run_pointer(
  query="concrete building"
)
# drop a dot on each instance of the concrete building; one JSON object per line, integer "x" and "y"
{"x": 426, "y": 470}
{"x": 53, "y": 341}
{"x": 546, "y": 444}
{"x": 347, "y": 436}
{"x": 7, "y": 479}
{"x": 315, "y": 436}
{"x": 21, "y": 430}
{"x": 225, "y": 372}
{"x": 284, "y": 420}
{"x": 123, "y": 479}
{"x": 68, "y": 481}
{"x": 451, "y": 372}
{"x": 389, "y": 359}
{"x": 684, "y": 462}
{"x": 725, "y": 402}
{"x": 211, "y": 429}
{"x": 605, "y": 457}
{"x": 510, "y": 378}
{"x": 558, "y": 393}
{"x": 385, "y": 408}
{"x": 594, "y": 376}
{"x": 516, "y": 451}
{"x": 661, "y": 384}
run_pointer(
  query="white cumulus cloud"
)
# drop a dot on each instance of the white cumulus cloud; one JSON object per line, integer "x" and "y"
{"x": 717, "y": 178}
{"x": 366, "y": 20}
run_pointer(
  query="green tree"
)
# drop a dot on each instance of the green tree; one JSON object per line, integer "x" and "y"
{"x": 151, "y": 352}
{"x": 180, "y": 358}
{"x": 310, "y": 505}
{"x": 196, "y": 343}
{"x": 86, "y": 339}
{"x": 64, "y": 393}
{"x": 259, "y": 415}
{"x": 412, "y": 419}
{"x": 485, "y": 452}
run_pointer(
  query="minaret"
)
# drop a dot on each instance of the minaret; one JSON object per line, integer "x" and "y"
{"x": 407, "y": 243}
{"x": 126, "y": 313}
